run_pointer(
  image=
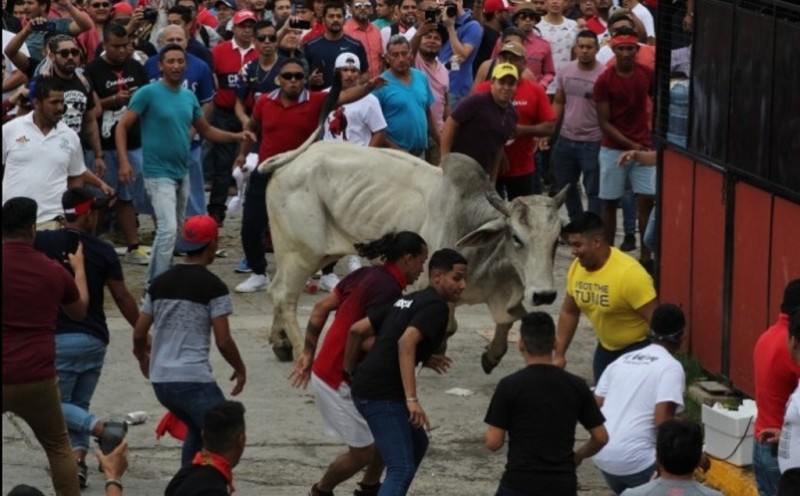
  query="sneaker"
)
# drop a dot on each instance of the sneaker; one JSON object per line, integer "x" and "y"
{"x": 136, "y": 257}
{"x": 243, "y": 268}
{"x": 328, "y": 281}
{"x": 363, "y": 490}
{"x": 83, "y": 474}
{"x": 353, "y": 263}
{"x": 256, "y": 282}
{"x": 113, "y": 434}
{"x": 221, "y": 254}
{"x": 628, "y": 243}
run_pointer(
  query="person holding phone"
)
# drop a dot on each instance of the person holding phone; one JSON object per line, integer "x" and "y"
{"x": 81, "y": 344}
{"x": 322, "y": 51}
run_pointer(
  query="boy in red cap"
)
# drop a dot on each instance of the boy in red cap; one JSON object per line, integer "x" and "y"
{"x": 182, "y": 305}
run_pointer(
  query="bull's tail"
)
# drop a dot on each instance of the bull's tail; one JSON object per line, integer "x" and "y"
{"x": 274, "y": 163}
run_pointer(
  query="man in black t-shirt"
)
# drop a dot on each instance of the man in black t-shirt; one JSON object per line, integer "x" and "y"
{"x": 384, "y": 385}
{"x": 81, "y": 344}
{"x": 211, "y": 471}
{"x": 539, "y": 407}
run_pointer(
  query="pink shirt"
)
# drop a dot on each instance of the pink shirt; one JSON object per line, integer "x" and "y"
{"x": 439, "y": 80}
{"x": 370, "y": 37}
{"x": 580, "y": 113}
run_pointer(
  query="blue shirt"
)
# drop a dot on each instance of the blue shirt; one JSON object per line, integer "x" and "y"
{"x": 165, "y": 128}
{"x": 198, "y": 76}
{"x": 405, "y": 108}
{"x": 321, "y": 54}
{"x": 469, "y": 32}
{"x": 254, "y": 81}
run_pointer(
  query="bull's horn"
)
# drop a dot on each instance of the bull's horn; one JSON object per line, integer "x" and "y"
{"x": 497, "y": 202}
{"x": 561, "y": 196}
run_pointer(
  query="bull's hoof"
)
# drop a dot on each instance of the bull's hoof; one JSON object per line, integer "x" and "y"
{"x": 284, "y": 353}
{"x": 487, "y": 364}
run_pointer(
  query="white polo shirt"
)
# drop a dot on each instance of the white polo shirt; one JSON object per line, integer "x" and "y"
{"x": 37, "y": 166}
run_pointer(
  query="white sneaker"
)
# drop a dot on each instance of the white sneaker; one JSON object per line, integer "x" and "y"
{"x": 353, "y": 263}
{"x": 328, "y": 281}
{"x": 256, "y": 282}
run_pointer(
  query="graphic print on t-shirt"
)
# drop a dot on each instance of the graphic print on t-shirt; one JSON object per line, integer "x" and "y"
{"x": 337, "y": 123}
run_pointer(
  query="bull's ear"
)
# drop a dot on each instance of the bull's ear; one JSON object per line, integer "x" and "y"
{"x": 491, "y": 232}
{"x": 561, "y": 196}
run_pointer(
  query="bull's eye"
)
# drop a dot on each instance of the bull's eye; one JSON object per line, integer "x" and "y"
{"x": 517, "y": 241}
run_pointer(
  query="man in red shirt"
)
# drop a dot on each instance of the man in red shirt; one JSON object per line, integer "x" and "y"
{"x": 366, "y": 289}
{"x": 776, "y": 376}
{"x": 535, "y": 118}
{"x": 34, "y": 288}
{"x": 229, "y": 58}
{"x": 285, "y": 118}
{"x": 621, "y": 94}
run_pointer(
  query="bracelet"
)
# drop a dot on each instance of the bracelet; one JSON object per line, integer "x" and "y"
{"x": 114, "y": 482}
{"x": 412, "y": 400}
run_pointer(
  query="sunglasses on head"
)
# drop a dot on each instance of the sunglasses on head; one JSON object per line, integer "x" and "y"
{"x": 290, "y": 76}
{"x": 101, "y": 5}
{"x": 360, "y": 5}
{"x": 69, "y": 52}
{"x": 267, "y": 37}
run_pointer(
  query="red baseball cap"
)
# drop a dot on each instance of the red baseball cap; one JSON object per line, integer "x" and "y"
{"x": 242, "y": 16}
{"x": 492, "y": 6}
{"x": 197, "y": 233}
{"x": 122, "y": 8}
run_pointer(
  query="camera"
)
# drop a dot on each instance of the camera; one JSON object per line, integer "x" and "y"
{"x": 45, "y": 27}
{"x": 299, "y": 24}
{"x": 150, "y": 14}
{"x": 430, "y": 15}
{"x": 450, "y": 9}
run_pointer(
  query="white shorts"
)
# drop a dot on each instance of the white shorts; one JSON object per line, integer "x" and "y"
{"x": 339, "y": 414}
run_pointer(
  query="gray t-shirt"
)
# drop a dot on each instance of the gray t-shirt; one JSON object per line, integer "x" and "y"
{"x": 671, "y": 487}
{"x": 183, "y": 301}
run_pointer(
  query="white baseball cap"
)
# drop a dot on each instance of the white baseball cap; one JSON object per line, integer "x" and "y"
{"x": 347, "y": 59}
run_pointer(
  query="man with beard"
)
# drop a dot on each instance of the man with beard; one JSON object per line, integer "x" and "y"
{"x": 284, "y": 118}
{"x": 427, "y": 44}
{"x": 41, "y": 138}
{"x": 166, "y": 149}
{"x": 406, "y": 22}
{"x": 229, "y": 58}
{"x": 360, "y": 28}
{"x": 321, "y": 52}
{"x": 117, "y": 76}
{"x": 481, "y": 125}
{"x": 200, "y": 80}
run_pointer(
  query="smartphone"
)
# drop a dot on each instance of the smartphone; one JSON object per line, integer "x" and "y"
{"x": 431, "y": 14}
{"x": 45, "y": 27}
{"x": 299, "y": 24}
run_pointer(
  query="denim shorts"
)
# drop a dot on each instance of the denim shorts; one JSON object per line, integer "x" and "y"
{"x": 613, "y": 176}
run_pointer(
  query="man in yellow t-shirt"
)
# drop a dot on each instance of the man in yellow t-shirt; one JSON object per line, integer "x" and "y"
{"x": 611, "y": 288}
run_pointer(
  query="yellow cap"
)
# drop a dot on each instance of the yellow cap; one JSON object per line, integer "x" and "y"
{"x": 503, "y": 70}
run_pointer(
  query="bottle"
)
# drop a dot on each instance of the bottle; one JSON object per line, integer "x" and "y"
{"x": 136, "y": 418}
{"x": 312, "y": 286}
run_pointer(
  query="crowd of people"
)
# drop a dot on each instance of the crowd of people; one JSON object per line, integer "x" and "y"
{"x": 137, "y": 110}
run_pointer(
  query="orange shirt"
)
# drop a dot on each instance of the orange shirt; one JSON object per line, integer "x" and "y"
{"x": 370, "y": 37}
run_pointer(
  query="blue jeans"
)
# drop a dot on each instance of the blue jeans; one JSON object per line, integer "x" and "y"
{"x": 765, "y": 466}
{"x": 573, "y": 158}
{"x": 189, "y": 401}
{"x": 619, "y": 483}
{"x": 401, "y": 445}
{"x": 79, "y": 360}
{"x": 169, "y": 198}
{"x": 197, "y": 193}
{"x": 650, "y": 232}
{"x": 132, "y": 192}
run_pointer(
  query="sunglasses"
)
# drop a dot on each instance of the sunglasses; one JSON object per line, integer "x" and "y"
{"x": 267, "y": 37}
{"x": 528, "y": 17}
{"x": 360, "y": 5}
{"x": 69, "y": 52}
{"x": 293, "y": 76}
{"x": 102, "y": 5}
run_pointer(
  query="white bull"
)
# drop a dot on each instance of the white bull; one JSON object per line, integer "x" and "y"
{"x": 332, "y": 195}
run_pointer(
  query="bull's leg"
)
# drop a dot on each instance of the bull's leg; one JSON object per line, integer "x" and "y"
{"x": 290, "y": 278}
{"x": 497, "y": 348}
